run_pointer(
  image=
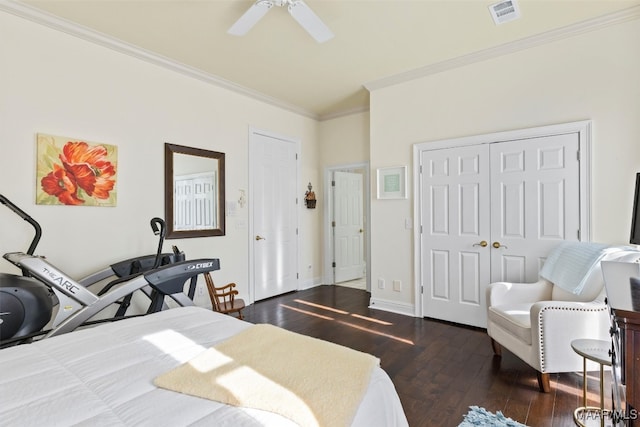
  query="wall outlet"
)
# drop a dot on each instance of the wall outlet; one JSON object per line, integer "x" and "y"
{"x": 380, "y": 283}
{"x": 397, "y": 285}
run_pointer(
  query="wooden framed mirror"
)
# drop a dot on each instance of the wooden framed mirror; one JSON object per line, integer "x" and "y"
{"x": 194, "y": 199}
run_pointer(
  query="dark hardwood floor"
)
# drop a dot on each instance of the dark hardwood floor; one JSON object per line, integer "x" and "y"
{"x": 439, "y": 369}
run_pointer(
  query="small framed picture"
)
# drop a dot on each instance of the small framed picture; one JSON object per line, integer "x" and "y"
{"x": 392, "y": 183}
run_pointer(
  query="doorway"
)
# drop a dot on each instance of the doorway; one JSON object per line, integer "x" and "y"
{"x": 273, "y": 217}
{"x": 346, "y": 226}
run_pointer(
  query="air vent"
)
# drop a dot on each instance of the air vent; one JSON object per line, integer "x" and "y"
{"x": 504, "y": 11}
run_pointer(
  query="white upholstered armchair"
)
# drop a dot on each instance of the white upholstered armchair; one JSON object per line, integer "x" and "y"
{"x": 538, "y": 321}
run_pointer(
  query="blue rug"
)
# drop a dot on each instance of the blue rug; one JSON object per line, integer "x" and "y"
{"x": 481, "y": 417}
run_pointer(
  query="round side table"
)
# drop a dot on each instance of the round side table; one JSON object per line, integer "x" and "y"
{"x": 597, "y": 351}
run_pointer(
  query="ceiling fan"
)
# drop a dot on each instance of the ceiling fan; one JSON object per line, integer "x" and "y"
{"x": 298, "y": 10}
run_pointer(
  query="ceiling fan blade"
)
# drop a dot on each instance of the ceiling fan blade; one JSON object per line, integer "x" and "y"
{"x": 250, "y": 17}
{"x": 309, "y": 21}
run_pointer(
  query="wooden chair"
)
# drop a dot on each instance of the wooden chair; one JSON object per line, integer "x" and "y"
{"x": 223, "y": 299}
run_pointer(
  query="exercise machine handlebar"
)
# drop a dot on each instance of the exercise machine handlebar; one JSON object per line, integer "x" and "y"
{"x": 22, "y": 214}
{"x": 159, "y": 228}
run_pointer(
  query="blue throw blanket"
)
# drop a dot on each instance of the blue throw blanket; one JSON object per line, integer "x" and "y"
{"x": 570, "y": 263}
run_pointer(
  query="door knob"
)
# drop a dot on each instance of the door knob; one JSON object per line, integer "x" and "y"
{"x": 497, "y": 245}
{"x": 361, "y": 230}
{"x": 260, "y": 237}
{"x": 483, "y": 244}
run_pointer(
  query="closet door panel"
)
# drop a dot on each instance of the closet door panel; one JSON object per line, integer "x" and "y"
{"x": 455, "y": 219}
{"x": 534, "y": 205}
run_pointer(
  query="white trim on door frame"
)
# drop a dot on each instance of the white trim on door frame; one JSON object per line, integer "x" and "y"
{"x": 327, "y": 270}
{"x": 583, "y": 128}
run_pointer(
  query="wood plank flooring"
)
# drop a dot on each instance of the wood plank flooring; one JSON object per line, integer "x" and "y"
{"x": 439, "y": 369}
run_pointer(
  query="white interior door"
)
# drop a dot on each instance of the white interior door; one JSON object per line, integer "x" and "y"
{"x": 348, "y": 226}
{"x": 455, "y": 222}
{"x": 535, "y": 188}
{"x": 492, "y": 212}
{"x": 273, "y": 165}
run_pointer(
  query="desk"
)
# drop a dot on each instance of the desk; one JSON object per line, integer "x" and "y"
{"x": 599, "y": 352}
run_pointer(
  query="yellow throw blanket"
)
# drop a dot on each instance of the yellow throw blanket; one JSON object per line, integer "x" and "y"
{"x": 310, "y": 381}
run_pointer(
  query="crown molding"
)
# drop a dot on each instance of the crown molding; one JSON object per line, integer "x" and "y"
{"x": 507, "y": 48}
{"x": 344, "y": 113}
{"x": 44, "y": 18}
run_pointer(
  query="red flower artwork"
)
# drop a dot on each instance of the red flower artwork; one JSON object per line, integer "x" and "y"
{"x": 59, "y": 184}
{"x": 82, "y": 167}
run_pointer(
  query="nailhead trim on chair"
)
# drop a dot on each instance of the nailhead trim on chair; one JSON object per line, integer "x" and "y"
{"x": 541, "y": 328}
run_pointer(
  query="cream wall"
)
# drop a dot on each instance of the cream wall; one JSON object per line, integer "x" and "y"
{"x": 54, "y": 83}
{"x": 343, "y": 141}
{"x": 590, "y": 76}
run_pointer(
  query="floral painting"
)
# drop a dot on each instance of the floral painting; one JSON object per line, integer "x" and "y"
{"x": 73, "y": 172}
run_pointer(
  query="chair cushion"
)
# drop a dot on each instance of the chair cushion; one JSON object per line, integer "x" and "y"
{"x": 513, "y": 318}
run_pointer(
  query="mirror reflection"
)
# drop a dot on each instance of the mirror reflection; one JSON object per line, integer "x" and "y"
{"x": 194, "y": 192}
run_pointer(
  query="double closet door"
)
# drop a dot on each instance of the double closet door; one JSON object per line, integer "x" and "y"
{"x": 492, "y": 212}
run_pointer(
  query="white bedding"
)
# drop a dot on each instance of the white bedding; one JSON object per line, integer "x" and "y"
{"x": 104, "y": 377}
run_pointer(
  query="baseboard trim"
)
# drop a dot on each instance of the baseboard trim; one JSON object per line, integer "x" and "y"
{"x": 392, "y": 306}
{"x": 309, "y": 283}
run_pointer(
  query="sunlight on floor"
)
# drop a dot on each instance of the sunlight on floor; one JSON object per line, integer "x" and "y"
{"x": 362, "y": 328}
{"x": 335, "y": 310}
{"x": 371, "y": 319}
{"x": 342, "y": 322}
{"x": 307, "y": 312}
{"x": 323, "y": 307}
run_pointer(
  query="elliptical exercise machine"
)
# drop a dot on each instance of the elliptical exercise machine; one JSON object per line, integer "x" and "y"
{"x": 124, "y": 270}
{"x": 138, "y": 265}
{"x": 26, "y": 302}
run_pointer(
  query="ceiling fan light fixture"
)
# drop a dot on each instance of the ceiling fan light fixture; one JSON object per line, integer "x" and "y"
{"x": 250, "y": 17}
{"x": 309, "y": 21}
{"x": 298, "y": 9}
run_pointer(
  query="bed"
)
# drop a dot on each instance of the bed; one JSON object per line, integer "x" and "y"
{"x": 104, "y": 376}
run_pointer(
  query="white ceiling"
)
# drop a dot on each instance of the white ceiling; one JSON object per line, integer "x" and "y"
{"x": 278, "y": 61}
